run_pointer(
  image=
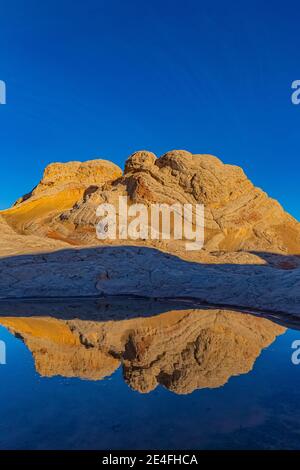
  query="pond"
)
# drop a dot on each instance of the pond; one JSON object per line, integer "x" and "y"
{"x": 139, "y": 375}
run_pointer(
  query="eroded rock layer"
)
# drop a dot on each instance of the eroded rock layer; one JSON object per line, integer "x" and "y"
{"x": 238, "y": 216}
{"x": 62, "y": 186}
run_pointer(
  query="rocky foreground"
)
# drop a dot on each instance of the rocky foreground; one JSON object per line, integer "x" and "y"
{"x": 147, "y": 272}
{"x": 48, "y": 244}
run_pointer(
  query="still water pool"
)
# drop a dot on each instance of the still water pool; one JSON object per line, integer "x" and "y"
{"x": 146, "y": 377}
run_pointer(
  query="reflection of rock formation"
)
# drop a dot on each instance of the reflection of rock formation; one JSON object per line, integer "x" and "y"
{"x": 182, "y": 350}
{"x": 57, "y": 351}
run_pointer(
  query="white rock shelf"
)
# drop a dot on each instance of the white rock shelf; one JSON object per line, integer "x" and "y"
{"x": 133, "y": 271}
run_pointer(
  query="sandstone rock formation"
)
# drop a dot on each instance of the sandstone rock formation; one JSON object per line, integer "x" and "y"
{"x": 238, "y": 216}
{"x": 12, "y": 243}
{"x": 249, "y": 258}
{"x": 181, "y": 350}
{"x": 61, "y": 187}
{"x": 60, "y": 176}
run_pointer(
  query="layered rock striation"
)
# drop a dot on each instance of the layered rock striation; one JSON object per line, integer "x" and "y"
{"x": 238, "y": 215}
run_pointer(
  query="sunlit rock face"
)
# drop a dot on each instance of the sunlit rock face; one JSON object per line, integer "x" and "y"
{"x": 182, "y": 350}
{"x": 60, "y": 176}
{"x": 249, "y": 259}
{"x": 238, "y": 216}
{"x": 62, "y": 185}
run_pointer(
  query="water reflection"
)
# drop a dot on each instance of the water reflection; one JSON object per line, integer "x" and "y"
{"x": 180, "y": 349}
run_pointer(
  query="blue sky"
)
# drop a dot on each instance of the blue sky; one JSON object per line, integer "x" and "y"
{"x": 90, "y": 79}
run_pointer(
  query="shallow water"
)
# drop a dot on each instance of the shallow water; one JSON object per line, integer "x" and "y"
{"x": 179, "y": 378}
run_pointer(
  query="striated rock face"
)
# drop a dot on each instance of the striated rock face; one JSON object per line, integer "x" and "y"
{"x": 238, "y": 216}
{"x": 181, "y": 350}
{"x": 13, "y": 243}
{"x": 250, "y": 257}
{"x": 62, "y": 185}
{"x": 59, "y": 176}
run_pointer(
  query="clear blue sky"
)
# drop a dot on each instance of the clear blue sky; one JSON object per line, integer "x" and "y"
{"x": 101, "y": 78}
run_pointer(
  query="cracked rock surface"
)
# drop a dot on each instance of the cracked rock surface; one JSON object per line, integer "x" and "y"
{"x": 139, "y": 271}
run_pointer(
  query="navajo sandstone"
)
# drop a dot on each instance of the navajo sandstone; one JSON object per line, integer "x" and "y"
{"x": 250, "y": 241}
